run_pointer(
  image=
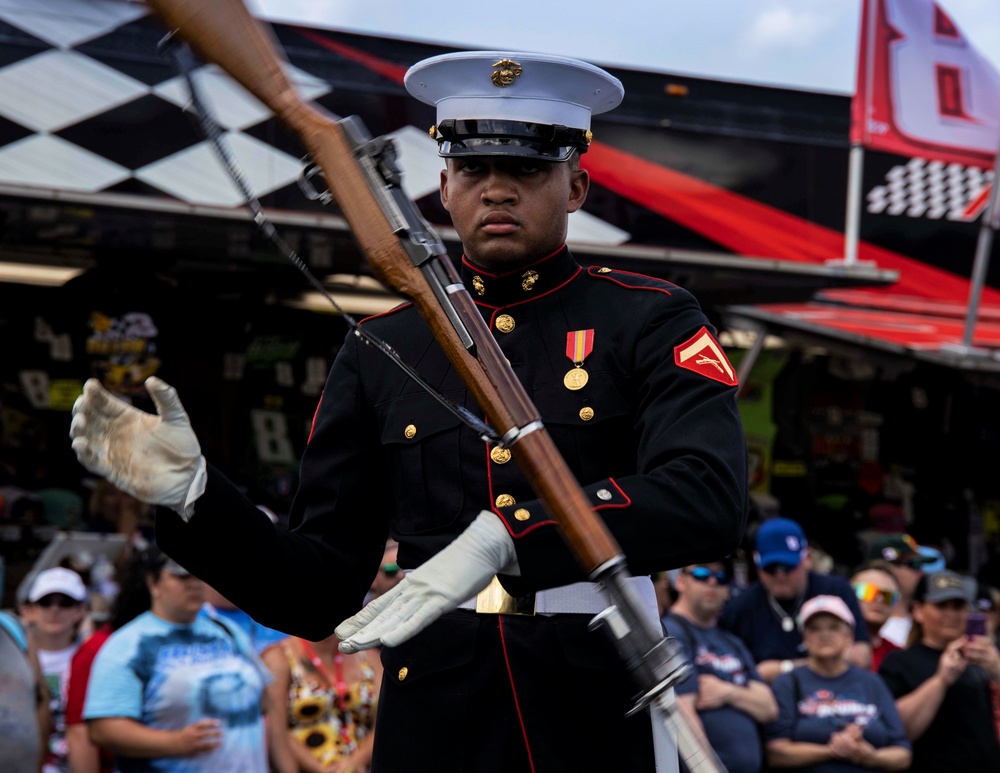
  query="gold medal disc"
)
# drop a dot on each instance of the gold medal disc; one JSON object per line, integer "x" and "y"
{"x": 576, "y": 379}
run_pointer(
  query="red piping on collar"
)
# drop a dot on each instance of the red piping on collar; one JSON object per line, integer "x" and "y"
{"x": 534, "y": 297}
{"x": 478, "y": 270}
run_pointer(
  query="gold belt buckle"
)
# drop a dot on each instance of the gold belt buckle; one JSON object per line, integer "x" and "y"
{"x": 494, "y": 600}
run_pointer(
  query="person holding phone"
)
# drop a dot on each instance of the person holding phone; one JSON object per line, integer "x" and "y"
{"x": 944, "y": 682}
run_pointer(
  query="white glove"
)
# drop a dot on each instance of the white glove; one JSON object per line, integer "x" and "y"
{"x": 455, "y": 574}
{"x": 155, "y": 458}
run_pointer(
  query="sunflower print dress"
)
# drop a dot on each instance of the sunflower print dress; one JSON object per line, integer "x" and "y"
{"x": 328, "y": 722}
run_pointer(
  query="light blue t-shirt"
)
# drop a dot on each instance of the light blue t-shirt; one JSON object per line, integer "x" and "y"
{"x": 166, "y": 676}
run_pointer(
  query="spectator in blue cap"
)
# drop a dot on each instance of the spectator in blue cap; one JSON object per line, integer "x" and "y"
{"x": 765, "y": 616}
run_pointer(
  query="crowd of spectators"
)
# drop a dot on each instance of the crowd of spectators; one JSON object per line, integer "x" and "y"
{"x": 795, "y": 667}
{"x": 892, "y": 667}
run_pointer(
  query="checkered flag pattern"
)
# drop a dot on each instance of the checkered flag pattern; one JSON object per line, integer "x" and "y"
{"x": 931, "y": 189}
{"x": 78, "y": 113}
{"x": 87, "y": 107}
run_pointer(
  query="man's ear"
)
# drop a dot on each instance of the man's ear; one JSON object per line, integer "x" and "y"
{"x": 579, "y": 185}
{"x": 444, "y": 188}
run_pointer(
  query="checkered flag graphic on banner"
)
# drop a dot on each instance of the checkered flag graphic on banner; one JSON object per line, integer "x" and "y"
{"x": 932, "y": 189}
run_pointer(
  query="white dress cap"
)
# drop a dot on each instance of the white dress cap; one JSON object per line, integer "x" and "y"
{"x": 470, "y": 89}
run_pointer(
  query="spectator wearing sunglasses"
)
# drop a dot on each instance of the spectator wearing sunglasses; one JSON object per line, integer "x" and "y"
{"x": 765, "y": 616}
{"x": 726, "y": 693}
{"x": 878, "y": 592}
{"x": 907, "y": 564}
{"x": 54, "y": 612}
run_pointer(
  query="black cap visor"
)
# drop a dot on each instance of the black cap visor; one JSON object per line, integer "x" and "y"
{"x": 509, "y": 138}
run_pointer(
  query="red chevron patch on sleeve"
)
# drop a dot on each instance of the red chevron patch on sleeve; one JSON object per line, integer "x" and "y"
{"x": 703, "y": 355}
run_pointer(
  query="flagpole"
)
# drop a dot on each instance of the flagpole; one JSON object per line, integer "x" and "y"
{"x": 852, "y": 227}
{"x": 856, "y": 158}
{"x": 984, "y": 245}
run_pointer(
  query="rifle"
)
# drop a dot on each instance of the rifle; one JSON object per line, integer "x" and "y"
{"x": 408, "y": 256}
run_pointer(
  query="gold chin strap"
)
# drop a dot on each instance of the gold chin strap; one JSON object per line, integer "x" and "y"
{"x": 494, "y": 600}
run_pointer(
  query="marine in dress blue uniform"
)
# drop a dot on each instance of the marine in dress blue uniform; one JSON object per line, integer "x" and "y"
{"x": 637, "y": 394}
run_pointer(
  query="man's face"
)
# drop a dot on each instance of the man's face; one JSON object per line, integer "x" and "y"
{"x": 785, "y": 582}
{"x": 509, "y": 211}
{"x": 701, "y": 588}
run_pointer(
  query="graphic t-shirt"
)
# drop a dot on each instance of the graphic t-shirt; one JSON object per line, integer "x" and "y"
{"x": 167, "y": 675}
{"x": 733, "y": 733}
{"x": 811, "y": 708}
{"x": 55, "y": 668}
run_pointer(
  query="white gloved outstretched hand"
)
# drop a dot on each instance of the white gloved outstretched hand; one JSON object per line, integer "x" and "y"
{"x": 155, "y": 458}
{"x": 455, "y": 574}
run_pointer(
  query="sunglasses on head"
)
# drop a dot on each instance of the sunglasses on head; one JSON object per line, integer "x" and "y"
{"x": 703, "y": 574}
{"x": 867, "y": 591}
{"x": 57, "y": 599}
{"x": 390, "y": 570}
{"x": 779, "y": 566}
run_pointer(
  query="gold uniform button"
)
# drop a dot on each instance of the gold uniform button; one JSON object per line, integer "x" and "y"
{"x": 587, "y": 413}
{"x": 522, "y": 514}
{"x": 500, "y": 455}
{"x": 505, "y": 500}
{"x": 604, "y": 270}
{"x": 505, "y": 323}
{"x": 410, "y": 431}
{"x": 403, "y": 672}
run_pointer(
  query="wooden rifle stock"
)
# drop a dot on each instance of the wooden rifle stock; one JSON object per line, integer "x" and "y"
{"x": 224, "y": 32}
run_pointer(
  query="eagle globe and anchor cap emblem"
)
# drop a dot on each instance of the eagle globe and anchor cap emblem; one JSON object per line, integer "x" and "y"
{"x": 504, "y": 73}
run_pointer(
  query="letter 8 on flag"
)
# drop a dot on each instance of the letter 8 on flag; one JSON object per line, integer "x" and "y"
{"x": 702, "y": 354}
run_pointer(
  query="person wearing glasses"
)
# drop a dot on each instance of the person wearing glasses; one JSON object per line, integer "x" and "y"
{"x": 907, "y": 564}
{"x": 946, "y": 681}
{"x": 765, "y": 615}
{"x": 54, "y": 612}
{"x": 877, "y": 592}
{"x": 834, "y": 717}
{"x": 725, "y": 692}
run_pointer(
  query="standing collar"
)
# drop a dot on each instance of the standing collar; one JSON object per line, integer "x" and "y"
{"x": 522, "y": 284}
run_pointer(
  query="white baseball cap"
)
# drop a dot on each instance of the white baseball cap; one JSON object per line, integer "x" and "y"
{"x": 508, "y": 103}
{"x": 57, "y": 580}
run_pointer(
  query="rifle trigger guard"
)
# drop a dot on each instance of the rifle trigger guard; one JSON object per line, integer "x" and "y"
{"x": 306, "y": 186}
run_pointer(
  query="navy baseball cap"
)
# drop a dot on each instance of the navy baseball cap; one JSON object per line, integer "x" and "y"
{"x": 506, "y": 103}
{"x": 780, "y": 541}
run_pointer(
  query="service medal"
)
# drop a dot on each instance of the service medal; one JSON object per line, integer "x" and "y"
{"x": 579, "y": 345}
{"x": 787, "y": 624}
{"x": 576, "y": 379}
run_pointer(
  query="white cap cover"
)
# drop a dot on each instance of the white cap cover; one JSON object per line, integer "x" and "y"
{"x": 481, "y": 94}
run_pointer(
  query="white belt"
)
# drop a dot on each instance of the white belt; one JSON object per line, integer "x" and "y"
{"x": 583, "y": 598}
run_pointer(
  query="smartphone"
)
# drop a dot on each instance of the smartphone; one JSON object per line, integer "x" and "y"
{"x": 975, "y": 625}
